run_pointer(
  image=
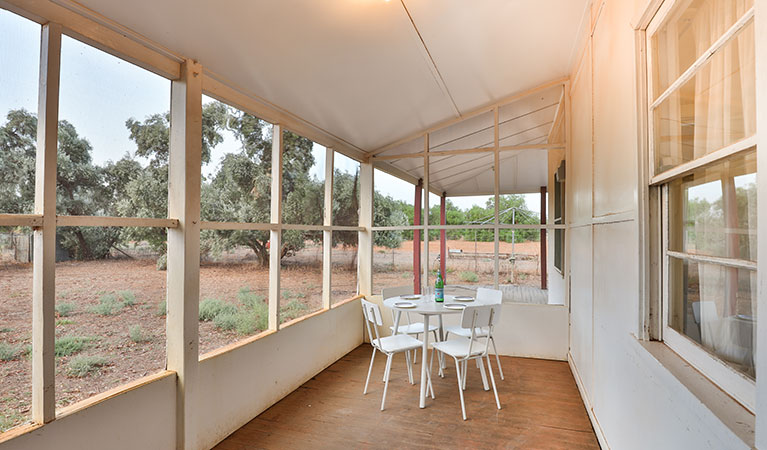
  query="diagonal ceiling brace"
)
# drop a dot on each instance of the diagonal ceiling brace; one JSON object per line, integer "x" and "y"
{"x": 430, "y": 62}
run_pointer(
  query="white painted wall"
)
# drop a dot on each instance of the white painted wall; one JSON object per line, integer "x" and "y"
{"x": 634, "y": 401}
{"x": 238, "y": 385}
{"x": 143, "y": 418}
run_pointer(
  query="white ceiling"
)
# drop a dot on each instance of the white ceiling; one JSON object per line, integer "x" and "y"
{"x": 367, "y": 71}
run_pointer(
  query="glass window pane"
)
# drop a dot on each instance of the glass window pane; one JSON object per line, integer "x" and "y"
{"x": 110, "y": 326}
{"x": 303, "y": 180}
{"x": 300, "y": 274}
{"x": 713, "y": 210}
{"x": 19, "y": 69}
{"x": 343, "y": 278}
{"x": 15, "y": 327}
{"x": 715, "y": 306}
{"x": 113, "y": 136}
{"x": 346, "y": 191}
{"x": 234, "y": 286}
{"x": 713, "y": 109}
{"x": 392, "y": 259}
{"x": 393, "y": 204}
{"x": 236, "y": 167}
{"x": 689, "y": 30}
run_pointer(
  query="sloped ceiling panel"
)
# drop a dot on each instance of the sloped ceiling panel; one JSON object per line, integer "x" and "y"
{"x": 370, "y": 72}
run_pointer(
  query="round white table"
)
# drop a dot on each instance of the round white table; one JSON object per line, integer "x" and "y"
{"x": 427, "y": 307}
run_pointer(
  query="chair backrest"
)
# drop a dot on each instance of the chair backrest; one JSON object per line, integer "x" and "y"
{"x": 481, "y": 316}
{"x": 372, "y": 314}
{"x": 396, "y": 291}
{"x": 491, "y": 296}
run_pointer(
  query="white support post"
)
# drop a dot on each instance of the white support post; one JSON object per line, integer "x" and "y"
{"x": 43, "y": 278}
{"x": 183, "y": 291}
{"x": 327, "y": 235}
{"x": 365, "y": 255}
{"x": 760, "y": 35}
{"x": 497, "y": 187}
{"x": 275, "y": 239}
{"x": 425, "y": 216}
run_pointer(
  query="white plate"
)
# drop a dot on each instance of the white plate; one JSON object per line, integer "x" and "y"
{"x": 410, "y": 297}
{"x": 463, "y": 298}
{"x": 404, "y": 305}
{"x": 456, "y": 306}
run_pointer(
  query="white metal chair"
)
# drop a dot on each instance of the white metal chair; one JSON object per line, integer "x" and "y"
{"x": 491, "y": 296}
{"x": 463, "y": 350}
{"x": 389, "y": 346}
{"x": 411, "y": 328}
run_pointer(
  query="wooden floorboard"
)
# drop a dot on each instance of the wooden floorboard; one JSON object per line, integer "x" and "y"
{"x": 541, "y": 409}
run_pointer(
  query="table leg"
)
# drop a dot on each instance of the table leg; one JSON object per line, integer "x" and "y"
{"x": 424, "y": 362}
{"x": 396, "y": 322}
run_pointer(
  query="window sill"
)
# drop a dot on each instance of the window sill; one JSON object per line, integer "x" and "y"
{"x": 724, "y": 416}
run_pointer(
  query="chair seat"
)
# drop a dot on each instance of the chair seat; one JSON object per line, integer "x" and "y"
{"x": 459, "y": 348}
{"x": 466, "y": 332}
{"x": 399, "y": 343}
{"x": 413, "y": 328}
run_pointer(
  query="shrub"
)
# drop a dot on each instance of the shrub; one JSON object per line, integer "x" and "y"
{"x": 69, "y": 345}
{"x": 468, "y": 277}
{"x": 10, "y": 352}
{"x": 6, "y": 330}
{"x": 162, "y": 308}
{"x": 64, "y": 322}
{"x": 128, "y": 298}
{"x": 64, "y": 309}
{"x": 248, "y": 298}
{"x": 210, "y": 308}
{"x": 108, "y": 305}
{"x": 293, "y": 309}
{"x": 136, "y": 334}
{"x": 81, "y": 366}
{"x": 226, "y": 321}
{"x": 162, "y": 262}
{"x": 246, "y": 323}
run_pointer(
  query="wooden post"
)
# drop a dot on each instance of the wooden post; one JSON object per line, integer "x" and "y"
{"x": 275, "y": 235}
{"x": 443, "y": 236}
{"x": 44, "y": 266}
{"x": 496, "y": 201}
{"x": 417, "y": 239}
{"x": 365, "y": 255}
{"x": 327, "y": 235}
{"x": 183, "y": 289}
{"x": 544, "y": 248}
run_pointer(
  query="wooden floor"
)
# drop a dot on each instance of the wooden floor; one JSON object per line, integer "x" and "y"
{"x": 542, "y": 409}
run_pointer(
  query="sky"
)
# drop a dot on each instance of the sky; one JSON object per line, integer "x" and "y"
{"x": 96, "y": 85}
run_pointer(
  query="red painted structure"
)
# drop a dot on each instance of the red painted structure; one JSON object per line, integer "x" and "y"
{"x": 417, "y": 239}
{"x": 544, "y": 284}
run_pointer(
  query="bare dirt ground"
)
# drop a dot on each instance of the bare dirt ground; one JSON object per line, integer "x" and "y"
{"x": 82, "y": 284}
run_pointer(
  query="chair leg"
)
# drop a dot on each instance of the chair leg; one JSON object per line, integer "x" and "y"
{"x": 372, "y": 358}
{"x": 492, "y": 380}
{"x": 465, "y": 370}
{"x": 415, "y": 351}
{"x": 497, "y": 358}
{"x": 386, "y": 379}
{"x": 460, "y": 386}
{"x": 428, "y": 374}
{"x": 409, "y": 367}
{"x": 482, "y": 372}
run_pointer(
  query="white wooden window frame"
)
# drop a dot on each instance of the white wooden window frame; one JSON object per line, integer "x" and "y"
{"x": 736, "y": 384}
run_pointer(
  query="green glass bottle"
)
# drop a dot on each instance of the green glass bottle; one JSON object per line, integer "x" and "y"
{"x": 439, "y": 288}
